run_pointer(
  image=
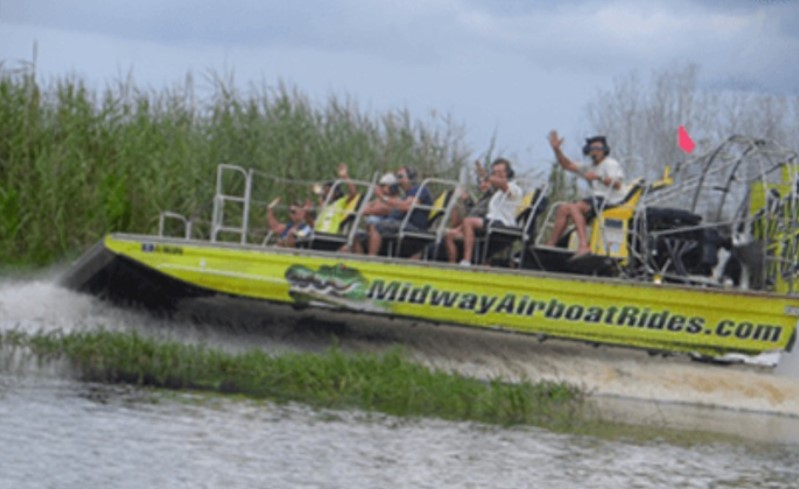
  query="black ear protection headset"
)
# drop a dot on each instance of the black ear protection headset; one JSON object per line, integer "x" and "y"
{"x": 509, "y": 171}
{"x": 508, "y": 168}
{"x": 596, "y": 139}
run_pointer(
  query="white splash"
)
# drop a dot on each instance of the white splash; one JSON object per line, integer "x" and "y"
{"x": 41, "y": 306}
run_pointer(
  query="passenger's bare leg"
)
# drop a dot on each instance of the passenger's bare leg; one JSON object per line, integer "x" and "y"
{"x": 455, "y": 219}
{"x": 449, "y": 242}
{"x": 470, "y": 224}
{"x": 561, "y": 221}
{"x": 375, "y": 241}
{"x": 579, "y": 211}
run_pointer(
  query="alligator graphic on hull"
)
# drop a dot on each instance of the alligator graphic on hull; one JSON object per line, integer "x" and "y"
{"x": 331, "y": 286}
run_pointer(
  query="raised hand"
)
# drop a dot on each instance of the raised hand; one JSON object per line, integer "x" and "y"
{"x": 342, "y": 171}
{"x": 481, "y": 171}
{"x": 555, "y": 140}
{"x": 274, "y": 203}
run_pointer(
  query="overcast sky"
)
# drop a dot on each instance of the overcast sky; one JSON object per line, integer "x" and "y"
{"x": 517, "y": 67}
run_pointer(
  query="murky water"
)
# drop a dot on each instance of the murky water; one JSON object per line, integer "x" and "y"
{"x": 58, "y": 432}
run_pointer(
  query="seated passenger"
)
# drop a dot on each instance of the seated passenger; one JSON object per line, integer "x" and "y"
{"x": 297, "y": 227}
{"x": 331, "y": 206}
{"x": 323, "y": 190}
{"x": 501, "y": 210}
{"x": 467, "y": 206}
{"x": 605, "y": 176}
{"x": 399, "y": 206}
{"x": 375, "y": 210}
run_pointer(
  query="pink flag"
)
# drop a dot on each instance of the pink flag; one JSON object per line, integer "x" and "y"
{"x": 684, "y": 140}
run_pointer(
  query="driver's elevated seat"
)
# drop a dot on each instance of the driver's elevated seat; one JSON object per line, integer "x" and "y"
{"x": 610, "y": 228}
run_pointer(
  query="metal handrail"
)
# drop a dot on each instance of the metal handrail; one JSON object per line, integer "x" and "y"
{"x": 415, "y": 205}
{"x": 217, "y": 220}
{"x": 187, "y": 224}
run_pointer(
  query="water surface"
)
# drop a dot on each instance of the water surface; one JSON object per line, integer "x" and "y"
{"x": 59, "y": 432}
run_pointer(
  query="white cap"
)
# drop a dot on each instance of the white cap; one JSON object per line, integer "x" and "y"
{"x": 388, "y": 179}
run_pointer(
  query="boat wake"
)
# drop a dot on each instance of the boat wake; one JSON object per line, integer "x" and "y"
{"x": 41, "y": 306}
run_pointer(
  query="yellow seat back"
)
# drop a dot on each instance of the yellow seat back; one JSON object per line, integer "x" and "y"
{"x": 526, "y": 206}
{"x": 333, "y": 216}
{"x": 439, "y": 206}
{"x": 609, "y": 230}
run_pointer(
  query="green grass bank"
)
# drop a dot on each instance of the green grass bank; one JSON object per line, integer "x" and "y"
{"x": 387, "y": 383}
{"x": 77, "y": 162}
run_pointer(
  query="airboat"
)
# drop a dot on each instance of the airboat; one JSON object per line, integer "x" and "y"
{"x": 701, "y": 262}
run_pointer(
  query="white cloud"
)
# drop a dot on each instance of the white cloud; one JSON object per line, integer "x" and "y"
{"x": 576, "y": 37}
{"x": 521, "y": 67}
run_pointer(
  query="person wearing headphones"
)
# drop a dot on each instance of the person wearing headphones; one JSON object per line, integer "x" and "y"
{"x": 501, "y": 211}
{"x": 375, "y": 211}
{"x": 605, "y": 176}
{"x": 406, "y": 179}
{"x": 322, "y": 190}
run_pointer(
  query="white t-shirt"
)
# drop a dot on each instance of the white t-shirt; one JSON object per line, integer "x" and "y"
{"x": 502, "y": 206}
{"x": 608, "y": 167}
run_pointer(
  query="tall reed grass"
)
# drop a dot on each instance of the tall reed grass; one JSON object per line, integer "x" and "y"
{"x": 77, "y": 162}
{"x": 387, "y": 383}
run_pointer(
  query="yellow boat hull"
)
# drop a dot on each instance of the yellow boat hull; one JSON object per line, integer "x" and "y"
{"x": 705, "y": 321}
